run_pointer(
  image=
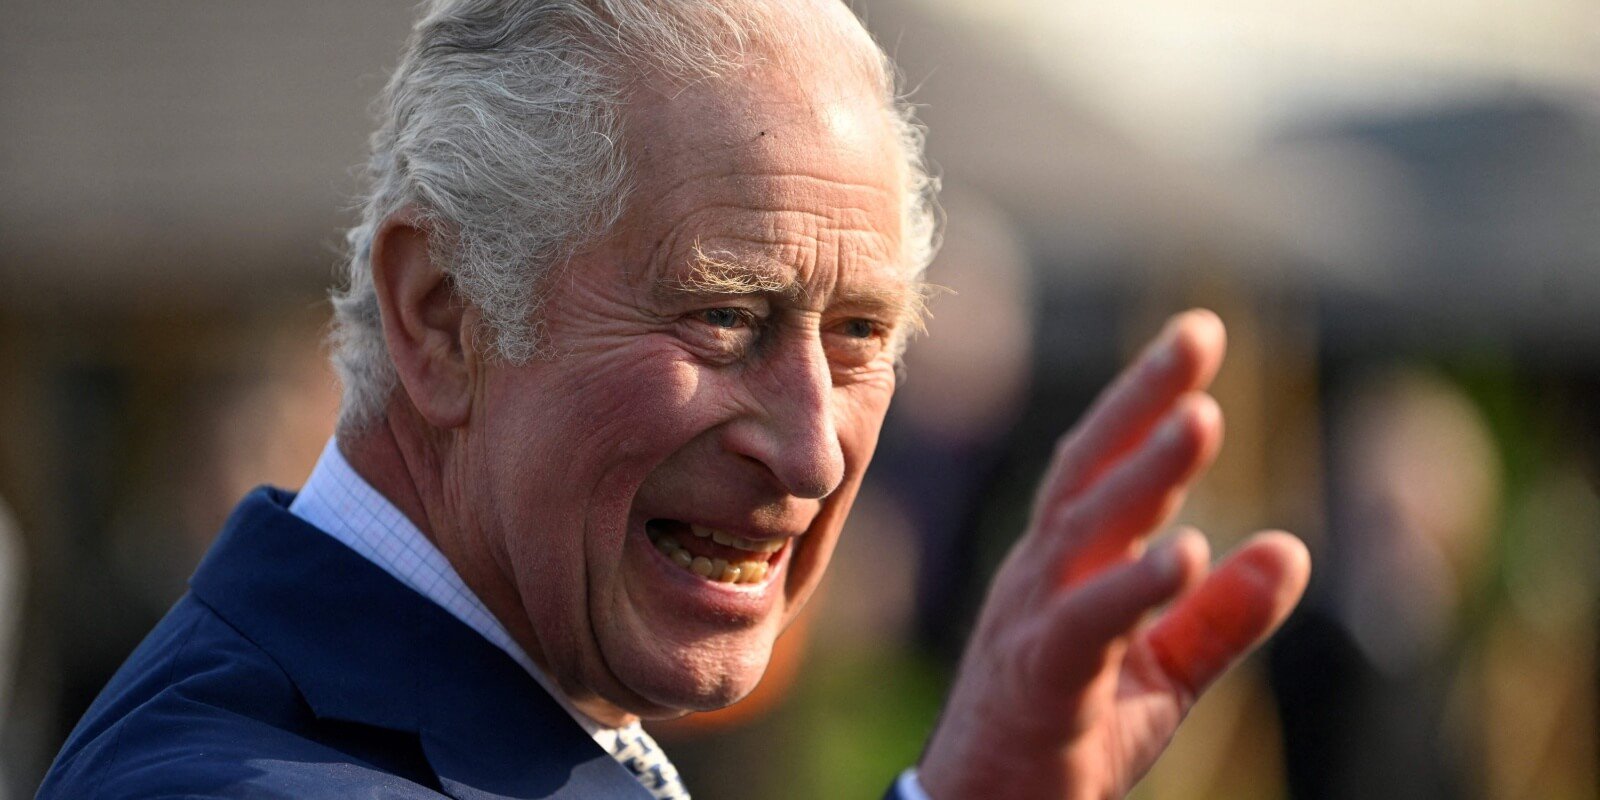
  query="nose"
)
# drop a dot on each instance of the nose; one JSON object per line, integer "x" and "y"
{"x": 792, "y": 431}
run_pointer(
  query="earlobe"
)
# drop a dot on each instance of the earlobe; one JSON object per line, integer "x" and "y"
{"x": 426, "y": 324}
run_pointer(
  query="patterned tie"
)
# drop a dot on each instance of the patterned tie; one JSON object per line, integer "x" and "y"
{"x": 644, "y": 758}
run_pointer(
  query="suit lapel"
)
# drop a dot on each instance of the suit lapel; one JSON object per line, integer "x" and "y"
{"x": 362, "y": 647}
{"x": 511, "y": 740}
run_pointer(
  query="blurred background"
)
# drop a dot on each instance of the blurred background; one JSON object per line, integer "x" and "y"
{"x": 1394, "y": 204}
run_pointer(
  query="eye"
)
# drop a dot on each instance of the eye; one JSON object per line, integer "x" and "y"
{"x": 722, "y": 333}
{"x": 859, "y": 329}
{"x": 857, "y": 342}
{"x": 727, "y": 318}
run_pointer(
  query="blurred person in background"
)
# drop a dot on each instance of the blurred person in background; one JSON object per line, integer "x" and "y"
{"x": 1367, "y": 676}
{"x": 1446, "y": 649}
{"x": 621, "y": 326}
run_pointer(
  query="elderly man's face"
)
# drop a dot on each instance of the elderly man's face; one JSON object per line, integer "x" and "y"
{"x": 666, "y": 492}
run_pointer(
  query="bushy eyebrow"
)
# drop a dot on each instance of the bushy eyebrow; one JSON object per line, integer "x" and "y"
{"x": 714, "y": 273}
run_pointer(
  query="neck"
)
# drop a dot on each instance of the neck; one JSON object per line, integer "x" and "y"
{"x": 378, "y": 454}
{"x": 409, "y": 463}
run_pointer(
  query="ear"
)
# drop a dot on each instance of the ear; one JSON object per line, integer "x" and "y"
{"x": 426, "y": 325}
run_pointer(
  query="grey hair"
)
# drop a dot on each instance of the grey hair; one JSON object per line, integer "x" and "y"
{"x": 501, "y": 132}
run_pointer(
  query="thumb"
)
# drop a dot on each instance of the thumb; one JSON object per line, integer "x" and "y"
{"x": 1243, "y": 601}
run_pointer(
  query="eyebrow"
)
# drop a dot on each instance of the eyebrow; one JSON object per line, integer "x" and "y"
{"x": 718, "y": 273}
{"x": 714, "y": 273}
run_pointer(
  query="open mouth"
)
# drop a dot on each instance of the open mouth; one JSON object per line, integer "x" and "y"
{"x": 712, "y": 554}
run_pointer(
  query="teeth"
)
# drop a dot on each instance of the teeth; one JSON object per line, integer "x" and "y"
{"x": 763, "y": 546}
{"x": 719, "y": 569}
{"x": 730, "y": 540}
{"x": 752, "y": 571}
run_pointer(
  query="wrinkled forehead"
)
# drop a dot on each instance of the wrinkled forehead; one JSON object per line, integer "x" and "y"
{"x": 771, "y": 172}
{"x": 789, "y": 160}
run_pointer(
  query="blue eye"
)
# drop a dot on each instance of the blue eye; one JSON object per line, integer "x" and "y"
{"x": 725, "y": 317}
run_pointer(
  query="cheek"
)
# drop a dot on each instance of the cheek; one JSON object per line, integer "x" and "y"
{"x": 617, "y": 413}
{"x": 859, "y": 410}
{"x": 644, "y": 413}
{"x": 583, "y": 433}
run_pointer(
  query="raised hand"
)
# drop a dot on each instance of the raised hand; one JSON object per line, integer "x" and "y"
{"x": 1067, "y": 690}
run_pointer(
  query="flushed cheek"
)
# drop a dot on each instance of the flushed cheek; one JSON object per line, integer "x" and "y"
{"x": 616, "y": 414}
{"x": 564, "y": 446}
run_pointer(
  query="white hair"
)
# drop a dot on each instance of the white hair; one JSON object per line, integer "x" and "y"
{"x": 502, "y": 131}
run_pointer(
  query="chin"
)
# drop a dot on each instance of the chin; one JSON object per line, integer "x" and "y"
{"x": 703, "y": 677}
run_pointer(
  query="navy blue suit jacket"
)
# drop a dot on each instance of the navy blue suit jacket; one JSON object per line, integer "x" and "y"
{"x": 295, "y": 668}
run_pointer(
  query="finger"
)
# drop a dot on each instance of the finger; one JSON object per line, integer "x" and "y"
{"x": 1243, "y": 601}
{"x": 1183, "y": 358}
{"x": 1080, "y": 627}
{"x": 1139, "y": 495}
